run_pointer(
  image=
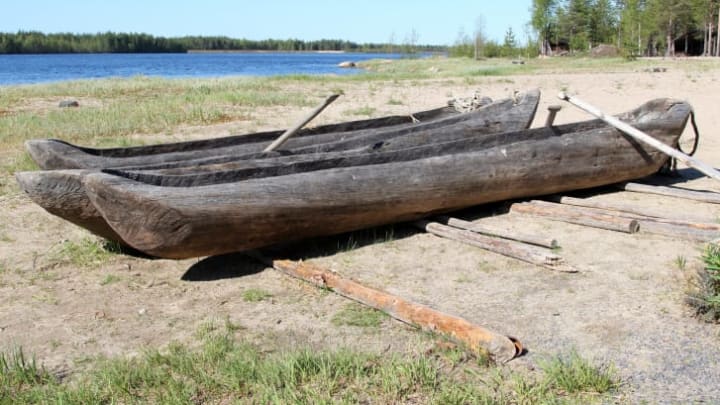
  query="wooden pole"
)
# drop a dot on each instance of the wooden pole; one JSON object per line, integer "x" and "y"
{"x": 515, "y": 250}
{"x": 552, "y": 113}
{"x": 676, "y": 228}
{"x": 634, "y": 212}
{"x": 643, "y": 137}
{"x": 500, "y": 347}
{"x": 292, "y": 131}
{"x": 703, "y": 196}
{"x": 500, "y": 233}
{"x": 575, "y": 215}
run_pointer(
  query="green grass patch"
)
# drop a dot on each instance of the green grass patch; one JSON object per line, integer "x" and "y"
{"x": 20, "y": 375}
{"x": 358, "y": 315}
{"x": 112, "y": 109}
{"x": 255, "y": 295}
{"x": 704, "y": 295}
{"x": 574, "y": 374}
{"x": 110, "y": 279}
{"x": 223, "y": 370}
{"x": 87, "y": 252}
{"x": 362, "y": 111}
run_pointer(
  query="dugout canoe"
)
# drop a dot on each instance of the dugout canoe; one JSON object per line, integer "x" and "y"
{"x": 234, "y": 214}
{"x": 62, "y": 193}
{"x": 51, "y": 154}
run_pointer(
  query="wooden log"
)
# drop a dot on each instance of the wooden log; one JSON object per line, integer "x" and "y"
{"x": 643, "y": 137}
{"x": 635, "y": 213}
{"x": 703, "y": 196}
{"x": 479, "y": 339}
{"x": 497, "y": 232}
{"x": 515, "y": 250}
{"x": 575, "y": 215}
{"x": 677, "y": 231}
{"x": 292, "y": 131}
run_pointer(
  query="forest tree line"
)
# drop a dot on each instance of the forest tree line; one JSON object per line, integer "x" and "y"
{"x": 32, "y": 42}
{"x": 637, "y": 27}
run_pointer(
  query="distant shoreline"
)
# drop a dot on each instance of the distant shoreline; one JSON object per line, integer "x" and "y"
{"x": 266, "y": 51}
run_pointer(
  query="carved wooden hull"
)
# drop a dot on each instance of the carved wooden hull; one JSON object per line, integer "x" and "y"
{"x": 53, "y": 154}
{"x": 231, "y": 215}
{"x": 62, "y": 193}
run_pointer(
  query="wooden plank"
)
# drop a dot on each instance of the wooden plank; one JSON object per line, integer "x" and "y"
{"x": 643, "y": 137}
{"x": 292, "y": 131}
{"x": 702, "y": 196}
{"x": 497, "y": 232}
{"x": 515, "y": 250}
{"x": 479, "y": 339}
{"x": 574, "y": 215}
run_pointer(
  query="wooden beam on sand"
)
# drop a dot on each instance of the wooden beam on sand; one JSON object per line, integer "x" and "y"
{"x": 479, "y": 339}
{"x": 702, "y": 196}
{"x": 576, "y": 215}
{"x": 488, "y": 230}
{"x": 676, "y": 228}
{"x": 635, "y": 212}
{"x": 516, "y": 250}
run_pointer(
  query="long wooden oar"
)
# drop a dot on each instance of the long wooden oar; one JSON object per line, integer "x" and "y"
{"x": 290, "y": 132}
{"x": 643, "y": 137}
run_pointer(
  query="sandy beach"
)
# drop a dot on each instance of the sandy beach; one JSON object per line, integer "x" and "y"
{"x": 625, "y": 306}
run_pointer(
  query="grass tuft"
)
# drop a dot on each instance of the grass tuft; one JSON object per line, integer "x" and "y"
{"x": 705, "y": 294}
{"x": 574, "y": 374}
{"x": 110, "y": 279}
{"x": 19, "y": 373}
{"x": 363, "y": 111}
{"x": 255, "y": 295}
{"x": 88, "y": 252}
{"x": 358, "y": 315}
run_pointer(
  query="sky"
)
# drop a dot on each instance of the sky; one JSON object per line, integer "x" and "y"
{"x": 436, "y": 22}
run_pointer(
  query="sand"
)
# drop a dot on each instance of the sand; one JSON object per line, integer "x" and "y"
{"x": 624, "y": 307}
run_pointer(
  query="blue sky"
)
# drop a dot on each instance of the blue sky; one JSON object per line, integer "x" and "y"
{"x": 435, "y": 22}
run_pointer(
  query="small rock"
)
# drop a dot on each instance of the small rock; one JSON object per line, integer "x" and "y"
{"x": 69, "y": 103}
{"x": 142, "y": 311}
{"x": 347, "y": 64}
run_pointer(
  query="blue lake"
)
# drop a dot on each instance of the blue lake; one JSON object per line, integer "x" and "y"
{"x": 25, "y": 69}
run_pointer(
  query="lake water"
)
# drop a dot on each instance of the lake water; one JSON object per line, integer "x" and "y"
{"x": 25, "y": 69}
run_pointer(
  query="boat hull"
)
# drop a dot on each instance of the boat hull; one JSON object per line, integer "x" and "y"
{"x": 61, "y": 192}
{"x": 181, "y": 222}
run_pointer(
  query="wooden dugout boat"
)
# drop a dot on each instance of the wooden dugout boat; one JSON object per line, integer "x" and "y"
{"x": 52, "y": 154}
{"x": 62, "y": 192}
{"x": 235, "y": 214}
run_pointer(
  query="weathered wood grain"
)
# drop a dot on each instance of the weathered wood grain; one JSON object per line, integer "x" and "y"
{"x": 702, "y": 196}
{"x": 489, "y": 230}
{"x": 577, "y": 215}
{"x": 178, "y": 222}
{"x": 56, "y": 154}
{"x": 50, "y": 193}
{"x": 516, "y": 250}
